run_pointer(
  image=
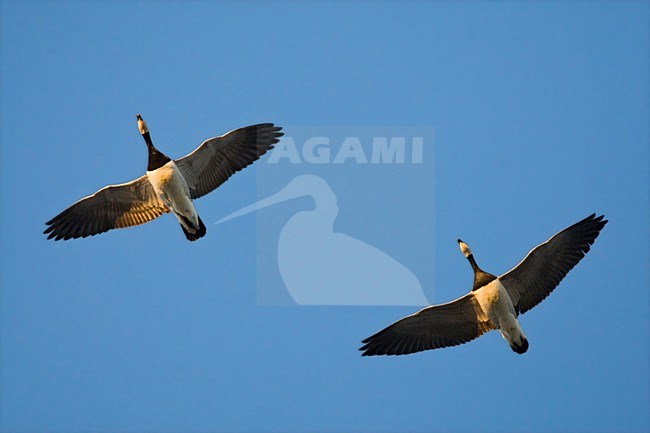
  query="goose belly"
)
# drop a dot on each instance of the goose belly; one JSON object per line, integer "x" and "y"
{"x": 170, "y": 186}
{"x": 495, "y": 302}
{"x": 497, "y": 305}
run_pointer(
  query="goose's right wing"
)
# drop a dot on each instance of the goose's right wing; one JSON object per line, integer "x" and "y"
{"x": 535, "y": 277}
{"x": 112, "y": 207}
{"x": 218, "y": 158}
{"x": 443, "y": 325}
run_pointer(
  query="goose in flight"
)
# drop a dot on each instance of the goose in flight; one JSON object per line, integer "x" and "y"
{"x": 494, "y": 302}
{"x": 167, "y": 186}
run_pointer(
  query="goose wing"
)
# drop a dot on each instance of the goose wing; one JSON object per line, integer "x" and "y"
{"x": 535, "y": 277}
{"x": 443, "y": 325}
{"x": 218, "y": 158}
{"x": 112, "y": 207}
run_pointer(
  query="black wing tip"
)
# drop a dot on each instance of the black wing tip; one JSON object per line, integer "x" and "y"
{"x": 264, "y": 135}
{"x": 593, "y": 225}
{"x": 378, "y": 349}
{"x": 371, "y": 347}
{"x": 267, "y": 136}
{"x": 271, "y": 127}
{"x": 271, "y": 130}
{"x": 54, "y": 236}
{"x": 52, "y": 230}
{"x": 364, "y": 348}
{"x": 58, "y": 236}
{"x": 375, "y": 345}
{"x": 369, "y": 350}
{"x": 57, "y": 233}
{"x": 595, "y": 219}
{"x": 588, "y": 228}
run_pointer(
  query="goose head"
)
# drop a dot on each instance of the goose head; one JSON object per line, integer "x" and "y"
{"x": 144, "y": 130}
{"x": 464, "y": 248}
{"x": 142, "y": 125}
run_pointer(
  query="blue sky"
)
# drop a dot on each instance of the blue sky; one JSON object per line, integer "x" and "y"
{"x": 540, "y": 113}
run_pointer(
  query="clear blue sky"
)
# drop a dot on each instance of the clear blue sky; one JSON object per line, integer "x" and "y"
{"x": 540, "y": 113}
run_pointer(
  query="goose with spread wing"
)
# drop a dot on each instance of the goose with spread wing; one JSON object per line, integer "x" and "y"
{"x": 167, "y": 186}
{"x": 494, "y": 302}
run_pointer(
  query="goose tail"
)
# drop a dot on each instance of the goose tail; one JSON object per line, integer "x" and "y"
{"x": 197, "y": 233}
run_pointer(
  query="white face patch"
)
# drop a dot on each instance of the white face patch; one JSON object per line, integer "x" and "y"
{"x": 142, "y": 126}
{"x": 464, "y": 249}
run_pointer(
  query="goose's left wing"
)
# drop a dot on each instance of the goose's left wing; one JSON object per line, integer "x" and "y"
{"x": 535, "y": 277}
{"x": 218, "y": 158}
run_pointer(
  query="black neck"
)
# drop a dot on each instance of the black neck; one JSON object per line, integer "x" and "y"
{"x": 156, "y": 158}
{"x": 473, "y": 263}
{"x": 481, "y": 278}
